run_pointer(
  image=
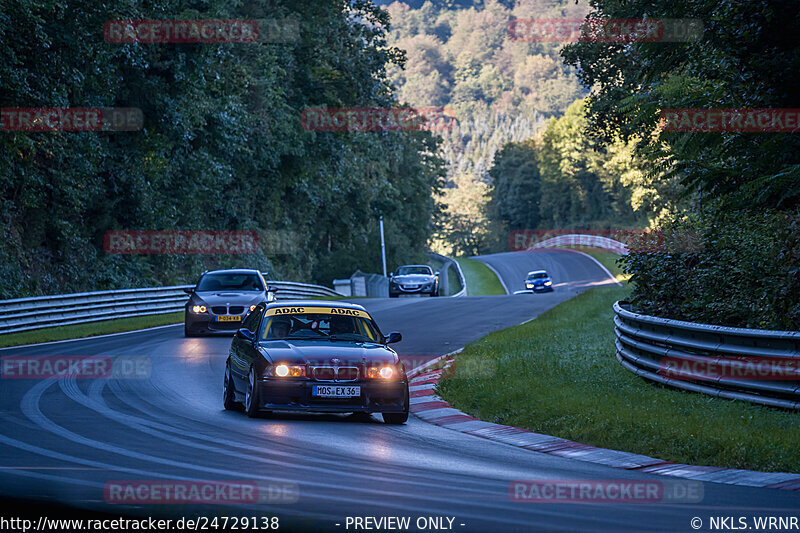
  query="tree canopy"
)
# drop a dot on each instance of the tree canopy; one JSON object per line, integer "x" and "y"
{"x": 221, "y": 148}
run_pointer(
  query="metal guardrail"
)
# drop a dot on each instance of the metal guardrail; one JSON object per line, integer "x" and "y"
{"x": 446, "y": 263}
{"x": 651, "y": 346}
{"x": 23, "y": 314}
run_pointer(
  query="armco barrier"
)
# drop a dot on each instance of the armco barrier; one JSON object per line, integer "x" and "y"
{"x": 23, "y": 314}
{"x": 447, "y": 263}
{"x": 646, "y": 344}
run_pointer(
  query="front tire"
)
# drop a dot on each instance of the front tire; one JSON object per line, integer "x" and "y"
{"x": 228, "y": 392}
{"x": 251, "y": 396}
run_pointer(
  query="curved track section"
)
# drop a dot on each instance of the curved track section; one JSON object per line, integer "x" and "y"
{"x": 63, "y": 440}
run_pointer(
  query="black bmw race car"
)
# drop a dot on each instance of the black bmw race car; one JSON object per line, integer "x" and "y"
{"x": 315, "y": 357}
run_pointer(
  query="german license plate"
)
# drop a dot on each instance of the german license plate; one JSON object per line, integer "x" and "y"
{"x": 335, "y": 391}
{"x": 229, "y": 318}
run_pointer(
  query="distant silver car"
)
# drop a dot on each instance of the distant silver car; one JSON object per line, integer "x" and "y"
{"x": 414, "y": 279}
{"x": 222, "y": 299}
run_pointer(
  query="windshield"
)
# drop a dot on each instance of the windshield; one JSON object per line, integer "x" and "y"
{"x": 230, "y": 282}
{"x": 316, "y": 326}
{"x": 406, "y": 270}
{"x": 538, "y": 275}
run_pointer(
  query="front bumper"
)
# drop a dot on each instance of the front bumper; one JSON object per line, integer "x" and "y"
{"x": 539, "y": 288}
{"x": 207, "y": 323}
{"x": 399, "y": 289}
{"x": 295, "y": 395}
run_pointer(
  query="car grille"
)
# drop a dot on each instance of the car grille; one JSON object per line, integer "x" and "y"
{"x": 332, "y": 373}
{"x": 232, "y": 310}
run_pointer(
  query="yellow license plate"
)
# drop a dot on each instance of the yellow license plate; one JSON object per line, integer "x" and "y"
{"x": 229, "y": 318}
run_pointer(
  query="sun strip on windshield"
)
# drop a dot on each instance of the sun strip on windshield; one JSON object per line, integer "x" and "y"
{"x": 317, "y": 310}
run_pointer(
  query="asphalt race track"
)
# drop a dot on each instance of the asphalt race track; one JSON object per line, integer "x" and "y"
{"x": 63, "y": 440}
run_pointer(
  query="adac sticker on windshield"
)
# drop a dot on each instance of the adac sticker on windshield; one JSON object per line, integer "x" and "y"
{"x": 317, "y": 310}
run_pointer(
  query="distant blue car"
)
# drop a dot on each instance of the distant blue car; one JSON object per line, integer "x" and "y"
{"x": 538, "y": 281}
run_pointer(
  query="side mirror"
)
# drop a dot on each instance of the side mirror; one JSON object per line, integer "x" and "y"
{"x": 391, "y": 274}
{"x": 245, "y": 334}
{"x": 271, "y": 294}
{"x": 393, "y": 337}
{"x": 436, "y": 273}
{"x": 189, "y": 291}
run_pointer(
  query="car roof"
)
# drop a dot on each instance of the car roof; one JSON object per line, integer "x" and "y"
{"x": 537, "y": 272}
{"x": 315, "y": 303}
{"x": 233, "y": 271}
{"x": 403, "y": 266}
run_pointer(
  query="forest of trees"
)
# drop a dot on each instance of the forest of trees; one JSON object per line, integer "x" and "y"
{"x": 561, "y": 179}
{"x": 460, "y": 55}
{"x": 222, "y": 145}
{"x": 734, "y": 253}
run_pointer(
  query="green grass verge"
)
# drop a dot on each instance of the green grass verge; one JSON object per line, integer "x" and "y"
{"x": 558, "y": 375}
{"x": 480, "y": 280}
{"x": 91, "y": 329}
{"x": 609, "y": 260}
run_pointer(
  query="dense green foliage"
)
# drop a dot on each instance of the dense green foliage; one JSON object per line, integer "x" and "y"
{"x": 561, "y": 179}
{"x": 222, "y": 145}
{"x": 735, "y": 268}
{"x": 744, "y": 267}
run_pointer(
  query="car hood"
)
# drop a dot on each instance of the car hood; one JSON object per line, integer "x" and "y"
{"x": 413, "y": 278}
{"x": 321, "y": 352}
{"x": 232, "y": 297}
{"x": 540, "y": 281}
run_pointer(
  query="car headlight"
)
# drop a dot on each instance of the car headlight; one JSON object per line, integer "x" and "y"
{"x": 198, "y": 309}
{"x": 382, "y": 372}
{"x": 283, "y": 371}
{"x": 252, "y": 308}
{"x": 548, "y": 283}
